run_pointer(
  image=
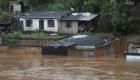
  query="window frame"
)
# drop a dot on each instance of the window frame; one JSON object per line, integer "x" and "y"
{"x": 29, "y": 23}
{"x": 51, "y": 23}
{"x": 68, "y": 24}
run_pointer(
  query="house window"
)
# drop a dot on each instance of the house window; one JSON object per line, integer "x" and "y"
{"x": 29, "y": 23}
{"x": 51, "y": 23}
{"x": 41, "y": 24}
{"x": 68, "y": 24}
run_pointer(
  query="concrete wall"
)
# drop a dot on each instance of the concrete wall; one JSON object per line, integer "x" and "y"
{"x": 71, "y": 30}
{"x": 35, "y": 25}
{"x": 51, "y": 29}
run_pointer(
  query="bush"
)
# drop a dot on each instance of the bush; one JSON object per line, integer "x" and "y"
{"x": 15, "y": 34}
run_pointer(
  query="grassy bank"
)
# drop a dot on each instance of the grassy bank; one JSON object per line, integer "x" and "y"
{"x": 35, "y": 35}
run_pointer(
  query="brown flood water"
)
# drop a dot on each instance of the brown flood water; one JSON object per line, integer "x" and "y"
{"x": 24, "y": 64}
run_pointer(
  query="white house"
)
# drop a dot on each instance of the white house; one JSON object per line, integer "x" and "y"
{"x": 41, "y": 20}
{"x": 57, "y": 21}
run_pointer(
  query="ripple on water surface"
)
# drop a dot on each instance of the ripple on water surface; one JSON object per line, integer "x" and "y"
{"x": 20, "y": 65}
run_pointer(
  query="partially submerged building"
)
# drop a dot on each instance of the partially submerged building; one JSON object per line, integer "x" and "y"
{"x": 133, "y": 51}
{"x": 81, "y": 45}
{"x": 58, "y": 21}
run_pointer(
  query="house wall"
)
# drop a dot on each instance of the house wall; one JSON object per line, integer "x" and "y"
{"x": 51, "y": 29}
{"x": 71, "y": 30}
{"x": 35, "y": 25}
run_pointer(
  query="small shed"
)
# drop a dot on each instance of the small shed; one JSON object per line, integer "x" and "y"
{"x": 133, "y": 51}
{"x": 75, "y": 23}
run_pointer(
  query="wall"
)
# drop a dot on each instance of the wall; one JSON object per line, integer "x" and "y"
{"x": 71, "y": 30}
{"x": 51, "y": 29}
{"x": 61, "y": 51}
{"x": 35, "y": 25}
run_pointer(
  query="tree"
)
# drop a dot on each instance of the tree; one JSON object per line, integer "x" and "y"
{"x": 121, "y": 21}
{"x": 3, "y": 3}
{"x": 105, "y": 15}
{"x": 6, "y": 17}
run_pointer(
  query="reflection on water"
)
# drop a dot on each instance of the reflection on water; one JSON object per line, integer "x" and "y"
{"x": 29, "y": 64}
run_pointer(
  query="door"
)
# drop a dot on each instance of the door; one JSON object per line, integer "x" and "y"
{"x": 21, "y": 25}
{"x": 41, "y": 25}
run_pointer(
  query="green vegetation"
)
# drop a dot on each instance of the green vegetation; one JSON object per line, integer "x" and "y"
{"x": 121, "y": 21}
{"x": 113, "y": 16}
{"x": 3, "y": 3}
{"x": 35, "y": 35}
{"x": 6, "y": 17}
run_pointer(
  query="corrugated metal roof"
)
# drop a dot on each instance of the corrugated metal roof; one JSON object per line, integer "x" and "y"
{"x": 90, "y": 40}
{"x": 56, "y": 15}
{"x": 44, "y": 14}
{"x": 80, "y": 17}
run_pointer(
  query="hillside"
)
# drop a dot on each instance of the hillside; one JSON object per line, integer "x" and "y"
{"x": 113, "y": 16}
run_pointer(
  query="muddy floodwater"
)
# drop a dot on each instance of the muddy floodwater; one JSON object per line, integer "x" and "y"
{"x": 24, "y": 64}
